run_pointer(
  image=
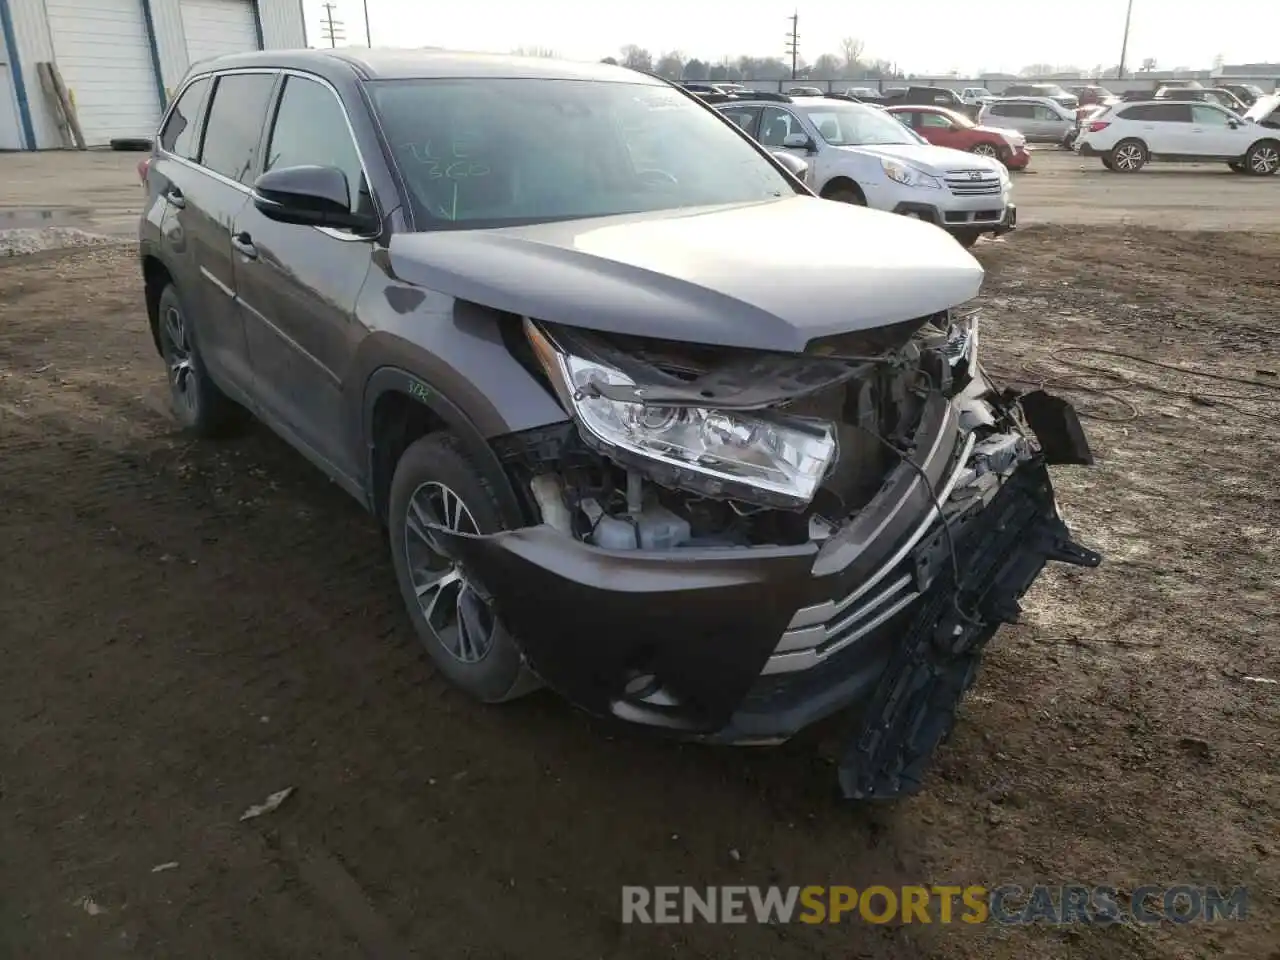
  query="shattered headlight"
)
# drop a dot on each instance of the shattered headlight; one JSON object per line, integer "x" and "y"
{"x": 785, "y": 458}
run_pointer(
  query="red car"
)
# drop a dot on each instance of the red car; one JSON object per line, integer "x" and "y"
{"x": 946, "y": 128}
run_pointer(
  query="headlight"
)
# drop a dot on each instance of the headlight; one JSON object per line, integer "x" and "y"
{"x": 908, "y": 176}
{"x": 785, "y": 459}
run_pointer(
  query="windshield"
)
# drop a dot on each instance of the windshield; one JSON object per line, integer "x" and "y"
{"x": 853, "y": 125}
{"x": 488, "y": 152}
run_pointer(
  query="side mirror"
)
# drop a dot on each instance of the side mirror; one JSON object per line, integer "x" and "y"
{"x": 799, "y": 141}
{"x": 310, "y": 196}
{"x": 795, "y": 166}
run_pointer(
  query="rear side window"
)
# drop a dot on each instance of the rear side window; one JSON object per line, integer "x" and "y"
{"x": 1170, "y": 112}
{"x": 311, "y": 129}
{"x": 179, "y": 135}
{"x": 1023, "y": 110}
{"x": 231, "y": 135}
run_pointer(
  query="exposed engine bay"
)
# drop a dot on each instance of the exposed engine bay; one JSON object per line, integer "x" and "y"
{"x": 685, "y": 446}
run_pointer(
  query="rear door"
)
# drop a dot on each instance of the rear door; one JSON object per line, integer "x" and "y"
{"x": 1168, "y": 128}
{"x": 298, "y": 284}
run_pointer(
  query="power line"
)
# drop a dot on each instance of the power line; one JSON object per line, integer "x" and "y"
{"x": 331, "y": 29}
{"x": 793, "y": 41}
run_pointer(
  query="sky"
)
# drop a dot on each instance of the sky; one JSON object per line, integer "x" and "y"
{"x": 990, "y": 35}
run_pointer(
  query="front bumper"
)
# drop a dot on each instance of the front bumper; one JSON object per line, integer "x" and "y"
{"x": 749, "y": 645}
{"x": 996, "y": 220}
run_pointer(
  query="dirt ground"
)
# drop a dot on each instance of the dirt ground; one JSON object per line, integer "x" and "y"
{"x": 188, "y": 627}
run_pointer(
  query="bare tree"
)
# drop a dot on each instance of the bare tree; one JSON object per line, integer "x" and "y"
{"x": 851, "y": 48}
{"x": 670, "y": 65}
{"x": 696, "y": 70}
{"x": 637, "y": 58}
{"x": 535, "y": 52}
{"x": 827, "y": 67}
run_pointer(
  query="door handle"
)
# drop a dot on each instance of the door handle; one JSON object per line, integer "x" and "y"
{"x": 175, "y": 197}
{"x": 244, "y": 243}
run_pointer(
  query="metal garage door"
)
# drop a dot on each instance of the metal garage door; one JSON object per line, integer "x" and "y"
{"x": 217, "y": 27}
{"x": 102, "y": 49}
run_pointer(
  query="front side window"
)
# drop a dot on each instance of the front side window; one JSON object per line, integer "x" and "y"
{"x": 1209, "y": 116}
{"x": 311, "y": 129}
{"x": 855, "y": 125}
{"x": 179, "y": 135}
{"x": 234, "y": 128}
{"x": 935, "y": 120}
{"x": 1045, "y": 113}
{"x": 776, "y": 125}
{"x": 487, "y": 151}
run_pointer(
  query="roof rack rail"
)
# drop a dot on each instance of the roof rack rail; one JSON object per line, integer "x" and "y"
{"x": 767, "y": 95}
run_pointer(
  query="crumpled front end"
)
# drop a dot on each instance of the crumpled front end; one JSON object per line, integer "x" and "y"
{"x": 735, "y": 545}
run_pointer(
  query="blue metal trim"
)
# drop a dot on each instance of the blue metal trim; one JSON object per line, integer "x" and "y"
{"x": 257, "y": 23}
{"x": 155, "y": 55}
{"x": 15, "y": 70}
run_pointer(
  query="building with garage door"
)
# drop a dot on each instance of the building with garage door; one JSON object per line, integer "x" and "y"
{"x": 120, "y": 59}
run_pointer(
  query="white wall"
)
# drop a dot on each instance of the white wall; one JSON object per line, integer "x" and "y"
{"x": 282, "y": 28}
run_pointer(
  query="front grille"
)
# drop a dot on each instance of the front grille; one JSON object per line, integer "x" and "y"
{"x": 972, "y": 183}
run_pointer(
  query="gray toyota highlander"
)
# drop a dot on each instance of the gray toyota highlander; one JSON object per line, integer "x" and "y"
{"x": 546, "y": 321}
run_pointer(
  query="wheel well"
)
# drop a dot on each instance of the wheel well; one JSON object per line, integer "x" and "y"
{"x": 841, "y": 183}
{"x": 398, "y": 420}
{"x": 1138, "y": 140}
{"x": 1257, "y": 143}
{"x": 155, "y": 277}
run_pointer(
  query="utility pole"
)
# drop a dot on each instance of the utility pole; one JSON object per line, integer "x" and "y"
{"x": 368, "y": 37}
{"x": 1124, "y": 46}
{"x": 793, "y": 41}
{"x": 330, "y": 29}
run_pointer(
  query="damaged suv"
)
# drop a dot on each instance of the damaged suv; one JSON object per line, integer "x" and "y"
{"x": 625, "y": 443}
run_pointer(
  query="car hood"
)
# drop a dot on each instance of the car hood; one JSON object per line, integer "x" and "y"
{"x": 769, "y": 276}
{"x": 934, "y": 160}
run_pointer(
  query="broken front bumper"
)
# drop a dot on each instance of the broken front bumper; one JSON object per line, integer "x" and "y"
{"x": 749, "y": 645}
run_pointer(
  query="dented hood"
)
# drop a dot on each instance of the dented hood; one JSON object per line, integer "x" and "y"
{"x": 769, "y": 276}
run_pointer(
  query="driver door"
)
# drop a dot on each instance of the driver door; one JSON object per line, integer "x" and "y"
{"x": 938, "y": 130}
{"x": 1214, "y": 132}
{"x": 298, "y": 285}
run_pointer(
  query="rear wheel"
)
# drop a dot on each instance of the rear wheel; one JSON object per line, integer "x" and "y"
{"x": 1129, "y": 156}
{"x": 1237, "y": 166}
{"x": 435, "y": 483}
{"x": 1263, "y": 159}
{"x": 1106, "y": 162}
{"x": 196, "y": 400}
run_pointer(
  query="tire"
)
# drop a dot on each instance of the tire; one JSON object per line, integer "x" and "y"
{"x": 843, "y": 194}
{"x": 131, "y": 143}
{"x": 967, "y": 239}
{"x": 1263, "y": 158}
{"x": 1129, "y": 156}
{"x": 484, "y": 661}
{"x": 1106, "y": 162}
{"x": 198, "y": 404}
{"x": 985, "y": 150}
{"x": 1237, "y": 166}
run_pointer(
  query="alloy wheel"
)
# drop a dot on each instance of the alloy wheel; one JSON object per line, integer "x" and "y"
{"x": 461, "y": 620}
{"x": 1129, "y": 157}
{"x": 1265, "y": 160}
{"x": 984, "y": 150}
{"x": 177, "y": 352}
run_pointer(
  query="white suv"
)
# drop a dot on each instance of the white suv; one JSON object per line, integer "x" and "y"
{"x": 1129, "y": 134}
{"x": 858, "y": 154}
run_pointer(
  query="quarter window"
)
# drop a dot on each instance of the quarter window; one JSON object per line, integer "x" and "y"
{"x": 311, "y": 130}
{"x": 179, "y": 135}
{"x": 234, "y": 128}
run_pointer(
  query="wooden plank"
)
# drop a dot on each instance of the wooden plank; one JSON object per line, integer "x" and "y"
{"x": 68, "y": 106}
{"x": 43, "y": 69}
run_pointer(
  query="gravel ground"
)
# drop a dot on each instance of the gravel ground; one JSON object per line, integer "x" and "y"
{"x": 20, "y": 241}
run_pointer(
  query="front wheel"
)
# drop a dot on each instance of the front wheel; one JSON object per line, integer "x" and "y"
{"x": 846, "y": 195}
{"x": 985, "y": 150}
{"x": 1263, "y": 159}
{"x": 436, "y": 484}
{"x": 1129, "y": 156}
{"x": 967, "y": 238}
